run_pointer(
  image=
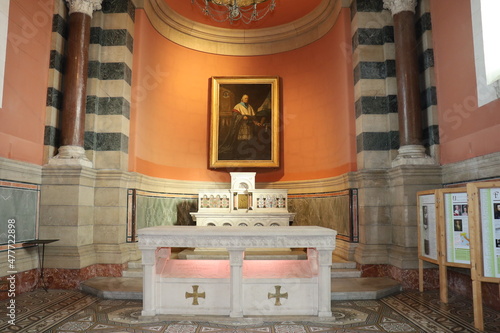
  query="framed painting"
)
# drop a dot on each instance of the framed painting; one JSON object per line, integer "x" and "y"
{"x": 244, "y": 124}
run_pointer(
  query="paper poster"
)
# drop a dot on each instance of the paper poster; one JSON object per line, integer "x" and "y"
{"x": 457, "y": 228}
{"x": 490, "y": 228}
{"x": 428, "y": 231}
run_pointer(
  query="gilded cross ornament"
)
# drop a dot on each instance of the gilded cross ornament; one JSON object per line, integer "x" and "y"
{"x": 277, "y": 295}
{"x": 195, "y": 294}
{"x": 397, "y": 6}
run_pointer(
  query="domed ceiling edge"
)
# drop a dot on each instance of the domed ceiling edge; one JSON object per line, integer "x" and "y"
{"x": 240, "y": 42}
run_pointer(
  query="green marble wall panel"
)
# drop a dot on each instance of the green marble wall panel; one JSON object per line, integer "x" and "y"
{"x": 151, "y": 209}
{"x": 334, "y": 210}
{"x": 19, "y": 209}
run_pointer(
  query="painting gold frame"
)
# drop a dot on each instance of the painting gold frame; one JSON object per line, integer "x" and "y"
{"x": 244, "y": 135}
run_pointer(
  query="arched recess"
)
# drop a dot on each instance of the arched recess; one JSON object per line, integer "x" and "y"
{"x": 242, "y": 42}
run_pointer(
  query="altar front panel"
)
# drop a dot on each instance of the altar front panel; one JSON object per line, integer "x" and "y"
{"x": 237, "y": 287}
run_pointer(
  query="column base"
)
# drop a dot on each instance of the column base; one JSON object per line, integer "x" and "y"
{"x": 71, "y": 155}
{"x": 412, "y": 155}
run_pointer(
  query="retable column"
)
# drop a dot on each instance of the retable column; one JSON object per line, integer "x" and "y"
{"x": 149, "y": 282}
{"x": 411, "y": 150}
{"x": 324, "y": 282}
{"x": 71, "y": 151}
{"x": 236, "y": 261}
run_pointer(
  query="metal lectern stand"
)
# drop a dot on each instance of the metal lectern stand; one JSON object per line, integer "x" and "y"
{"x": 42, "y": 257}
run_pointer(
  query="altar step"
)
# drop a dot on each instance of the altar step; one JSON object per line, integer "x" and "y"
{"x": 346, "y": 284}
{"x": 340, "y": 269}
{"x": 342, "y": 288}
{"x": 113, "y": 287}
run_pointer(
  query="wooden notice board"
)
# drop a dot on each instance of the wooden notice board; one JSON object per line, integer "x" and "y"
{"x": 484, "y": 210}
{"x": 454, "y": 238}
{"x": 443, "y": 232}
{"x": 428, "y": 244}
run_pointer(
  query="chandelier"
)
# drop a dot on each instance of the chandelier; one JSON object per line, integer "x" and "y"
{"x": 234, "y": 10}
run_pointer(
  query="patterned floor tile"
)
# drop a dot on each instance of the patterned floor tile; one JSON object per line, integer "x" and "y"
{"x": 69, "y": 311}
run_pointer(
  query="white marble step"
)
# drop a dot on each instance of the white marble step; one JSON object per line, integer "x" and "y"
{"x": 342, "y": 288}
{"x": 339, "y": 273}
{"x": 135, "y": 264}
{"x": 364, "y": 288}
{"x": 113, "y": 287}
{"x": 339, "y": 263}
{"x": 132, "y": 272}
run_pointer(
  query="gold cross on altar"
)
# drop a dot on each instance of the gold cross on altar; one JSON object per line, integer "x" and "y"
{"x": 277, "y": 295}
{"x": 195, "y": 295}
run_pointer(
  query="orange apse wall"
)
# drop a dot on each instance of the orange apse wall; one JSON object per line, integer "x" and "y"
{"x": 22, "y": 116}
{"x": 465, "y": 130}
{"x": 170, "y": 106}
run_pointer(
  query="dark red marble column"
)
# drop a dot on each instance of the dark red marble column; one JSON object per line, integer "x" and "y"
{"x": 75, "y": 84}
{"x": 411, "y": 149}
{"x": 407, "y": 76}
{"x": 75, "y": 81}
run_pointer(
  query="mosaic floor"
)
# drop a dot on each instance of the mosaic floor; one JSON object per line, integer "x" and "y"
{"x": 65, "y": 311}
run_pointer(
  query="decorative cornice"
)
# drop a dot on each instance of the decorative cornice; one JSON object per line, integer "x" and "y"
{"x": 398, "y": 6}
{"x": 20, "y": 171}
{"x": 84, "y": 6}
{"x": 242, "y": 42}
{"x": 237, "y": 237}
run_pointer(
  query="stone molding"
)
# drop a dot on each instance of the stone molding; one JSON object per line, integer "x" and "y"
{"x": 231, "y": 238}
{"x": 398, "y": 6}
{"x": 19, "y": 171}
{"x": 84, "y": 6}
{"x": 412, "y": 155}
{"x": 477, "y": 168}
{"x": 150, "y": 183}
{"x": 71, "y": 155}
{"x": 242, "y": 42}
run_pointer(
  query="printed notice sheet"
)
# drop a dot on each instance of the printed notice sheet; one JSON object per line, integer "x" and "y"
{"x": 428, "y": 231}
{"x": 457, "y": 228}
{"x": 490, "y": 227}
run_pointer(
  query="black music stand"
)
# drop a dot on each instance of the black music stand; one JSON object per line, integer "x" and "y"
{"x": 42, "y": 257}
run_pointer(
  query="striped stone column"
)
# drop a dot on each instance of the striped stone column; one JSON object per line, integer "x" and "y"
{"x": 52, "y": 133}
{"x": 108, "y": 123}
{"x": 374, "y": 85}
{"x": 428, "y": 96}
{"x": 376, "y": 124}
{"x": 71, "y": 151}
{"x": 110, "y": 85}
{"x": 411, "y": 150}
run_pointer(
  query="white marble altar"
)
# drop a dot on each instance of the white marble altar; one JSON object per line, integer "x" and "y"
{"x": 243, "y": 205}
{"x": 236, "y": 287}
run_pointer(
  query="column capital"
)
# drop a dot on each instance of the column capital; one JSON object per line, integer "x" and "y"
{"x": 397, "y": 6}
{"x": 84, "y": 6}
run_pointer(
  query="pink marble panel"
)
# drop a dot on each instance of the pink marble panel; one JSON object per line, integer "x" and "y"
{"x": 24, "y": 282}
{"x": 59, "y": 278}
{"x": 407, "y": 277}
{"x": 461, "y": 284}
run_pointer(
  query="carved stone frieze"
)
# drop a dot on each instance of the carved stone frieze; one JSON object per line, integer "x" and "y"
{"x": 257, "y": 237}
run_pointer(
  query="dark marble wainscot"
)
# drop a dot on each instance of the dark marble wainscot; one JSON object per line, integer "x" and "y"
{"x": 24, "y": 282}
{"x": 407, "y": 277}
{"x": 59, "y": 278}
